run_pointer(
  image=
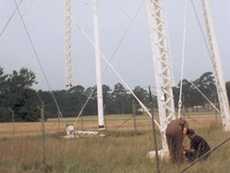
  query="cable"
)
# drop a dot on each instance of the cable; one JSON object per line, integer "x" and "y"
{"x": 84, "y": 106}
{"x": 183, "y": 58}
{"x": 206, "y": 154}
{"x": 60, "y": 115}
{"x": 207, "y": 48}
{"x": 10, "y": 19}
{"x": 112, "y": 55}
{"x": 7, "y": 25}
{"x": 200, "y": 27}
{"x": 118, "y": 75}
{"x": 123, "y": 123}
{"x": 205, "y": 97}
{"x": 127, "y": 29}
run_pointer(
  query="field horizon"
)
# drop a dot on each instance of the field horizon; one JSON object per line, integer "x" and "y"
{"x": 122, "y": 150}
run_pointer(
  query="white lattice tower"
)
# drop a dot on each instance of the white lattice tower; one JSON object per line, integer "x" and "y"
{"x": 68, "y": 44}
{"x": 217, "y": 66}
{"x": 161, "y": 66}
{"x": 98, "y": 55}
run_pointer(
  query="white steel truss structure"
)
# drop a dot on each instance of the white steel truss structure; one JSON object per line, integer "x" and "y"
{"x": 162, "y": 70}
{"x": 161, "y": 66}
{"x": 217, "y": 66}
{"x": 98, "y": 54}
{"x": 68, "y": 59}
{"x": 68, "y": 44}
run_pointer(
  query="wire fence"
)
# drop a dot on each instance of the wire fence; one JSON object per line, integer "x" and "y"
{"x": 113, "y": 122}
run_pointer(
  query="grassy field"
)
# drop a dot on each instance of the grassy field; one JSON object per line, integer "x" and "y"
{"x": 112, "y": 122}
{"x": 121, "y": 151}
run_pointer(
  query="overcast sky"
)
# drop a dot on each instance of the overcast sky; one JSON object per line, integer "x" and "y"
{"x": 44, "y": 18}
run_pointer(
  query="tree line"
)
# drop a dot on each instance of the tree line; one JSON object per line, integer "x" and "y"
{"x": 18, "y": 95}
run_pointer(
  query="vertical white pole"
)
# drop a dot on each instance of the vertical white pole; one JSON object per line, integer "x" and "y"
{"x": 183, "y": 59}
{"x": 98, "y": 55}
{"x": 217, "y": 66}
{"x": 161, "y": 66}
{"x": 68, "y": 44}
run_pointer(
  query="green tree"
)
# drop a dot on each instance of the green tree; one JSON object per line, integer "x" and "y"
{"x": 5, "y": 114}
{"x": 121, "y": 99}
{"x": 91, "y": 108}
{"x": 77, "y": 98}
{"x": 206, "y": 83}
{"x": 20, "y": 97}
{"x": 3, "y": 87}
{"x": 107, "y": 98}
{"x": 142, "y": 94}
{"x": 191, "y": 96}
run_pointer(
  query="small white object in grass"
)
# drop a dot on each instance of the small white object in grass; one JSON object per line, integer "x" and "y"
{"x": 89, "y": 133}
{"x": 70, "y": 131}
{"x": 102, "y": 135}
{"x": 163, "y": 154}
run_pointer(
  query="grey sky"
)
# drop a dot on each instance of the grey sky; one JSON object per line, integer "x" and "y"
{"x": 44, "y": 19}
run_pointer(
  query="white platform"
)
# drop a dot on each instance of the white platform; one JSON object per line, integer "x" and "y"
{"x": 87, "y": 132}
{"x": 163, "y": 154}
{"x": 71, "y": 132}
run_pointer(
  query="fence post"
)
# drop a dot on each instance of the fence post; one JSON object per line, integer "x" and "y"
{"x": 82, "y": 123}
{"x": 43, "y": 131}
{"x": 154, "y": 132}
{"x": 134, "y": 116}
{"x": 13, "y": 121}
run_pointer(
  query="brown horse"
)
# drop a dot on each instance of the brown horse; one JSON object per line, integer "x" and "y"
{"x": 175, "y": 133}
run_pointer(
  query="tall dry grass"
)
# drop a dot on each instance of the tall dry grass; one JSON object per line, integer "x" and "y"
{"x": 121, "y": 151}
{"x": 118, "y": 152}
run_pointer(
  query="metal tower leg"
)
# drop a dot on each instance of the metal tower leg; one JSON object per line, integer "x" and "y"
{"x": 98, "y": 68}
{"x": 67, "y": 42}
{"x": 217, "y": 66}
{"x": 161, "y": 66}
